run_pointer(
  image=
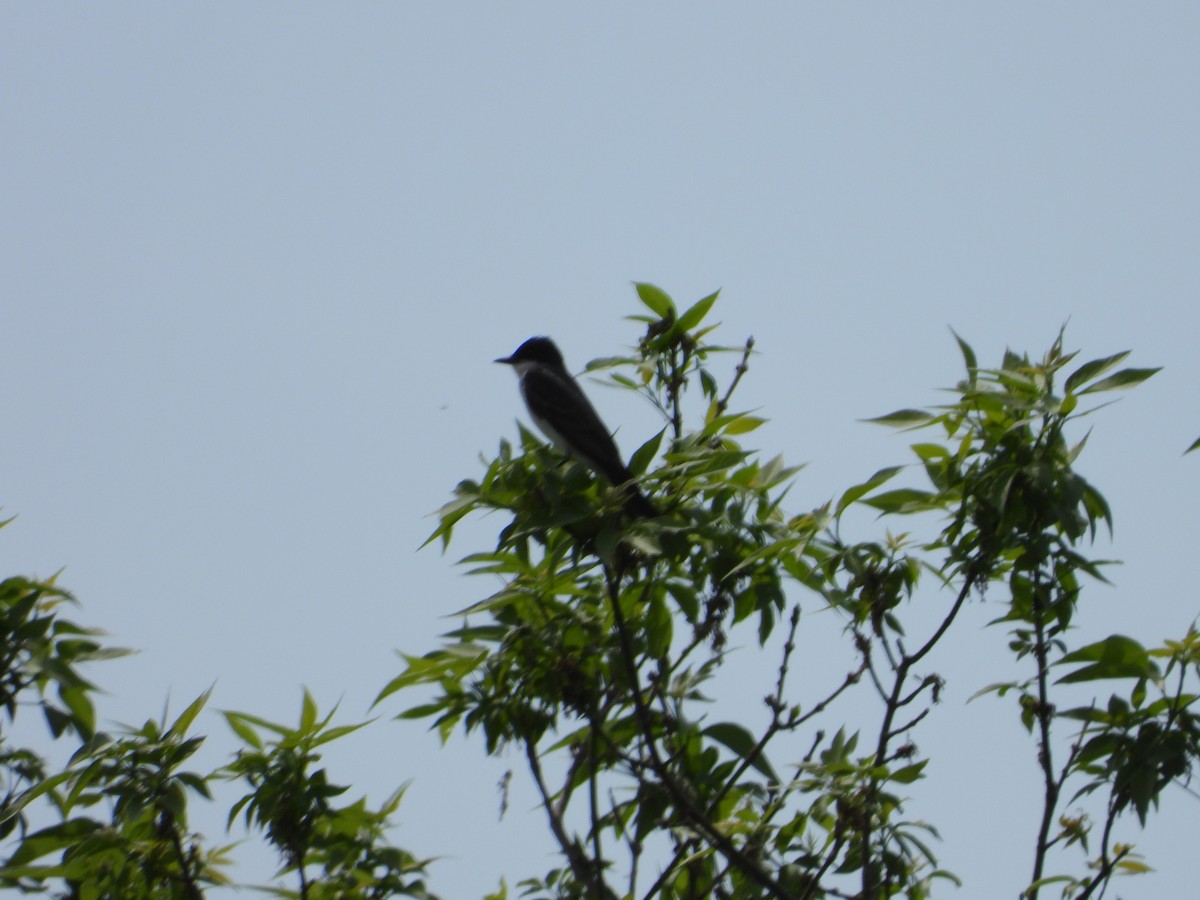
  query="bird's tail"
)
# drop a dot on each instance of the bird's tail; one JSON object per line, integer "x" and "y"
{"x": 633, "y": 500}
{"x": 636, "y": 503}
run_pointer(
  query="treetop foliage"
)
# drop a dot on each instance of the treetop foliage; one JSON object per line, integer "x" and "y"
{"x": 595, "y": 658}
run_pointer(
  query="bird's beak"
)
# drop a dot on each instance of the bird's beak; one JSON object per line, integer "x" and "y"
{"x": 506, "y": 360}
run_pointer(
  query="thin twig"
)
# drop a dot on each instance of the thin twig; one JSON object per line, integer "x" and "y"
{"x": 190, "y": 888}
{"x": 900, "y": 729}
{"x": 683, "y": 800}
{"x": 584, "y": 870}
{"x": 1045, "y": 751}
{"x": 742, "y": 368}
{"x": 593, "y": 804}
{"x": 886, "y": 731}
{"x": 815, "y": 883}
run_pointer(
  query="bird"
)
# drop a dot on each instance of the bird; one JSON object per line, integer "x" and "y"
{"x": 563, "y": 413}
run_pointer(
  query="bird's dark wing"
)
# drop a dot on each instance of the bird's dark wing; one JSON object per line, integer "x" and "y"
{"x": 561, "y": 409}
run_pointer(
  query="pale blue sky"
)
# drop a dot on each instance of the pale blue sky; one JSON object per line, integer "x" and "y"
{"x": 256, "y": 259}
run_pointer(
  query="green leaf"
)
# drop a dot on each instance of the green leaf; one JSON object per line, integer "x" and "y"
{"x": 238, "y": 724}
{"x": 1032, "y": 890}
{"x": 695, "y": 313}
{"x": 1093, "y": 369}
{"x": 1000, "y": 688}
{"x": 49, "y": 784}
{"x": 902, "y": 500}
{"x": 1138, "y": 695}
{"x": 729, "y": 422}
{"x": 742, "y": 743}
{"x": 450, "y": 515}
{"x": 56, "y": 720}
{"x": 655, "y": 299}
{"x": 968, "y": 356}
{"x": 928, "y": 452}
{"x": 659, "y": 628}
{"x": 423, "y": 711}
{"x": 685, "y": 599}
{"x": 909, "y": 774}
{"x": 308, "y": 713}
{"x": 83, "y": 714}
{"x": 180, "y": 726}
{"x": 1114, "y": 657}
{"x": 904, "y": 418}
{"x": 606, "y": 362}
{"x": 1195, "y": 444}
{"x": 197, "y": 783}
{"x": 332, "y": 734}
{"x": 1133, "y": 866}
{"x": 50, "y": 840}
{"x": 1073, "y": 453}
{"x": 744, "y": 424}
{"x": 640, "y": 461}
{"x": 853, "y": 494}
{"x": 1123, "y": 379}
{"x": 644, "y": 543}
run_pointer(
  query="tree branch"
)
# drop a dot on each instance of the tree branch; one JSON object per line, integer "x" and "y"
{"x": 684, "y": 802}
{"x": 586, "y": 871}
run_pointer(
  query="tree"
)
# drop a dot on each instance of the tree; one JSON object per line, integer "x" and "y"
{"x": 113, "y": 823}
{"x": 595, "y": 659}
{"x": 594, "y": 655}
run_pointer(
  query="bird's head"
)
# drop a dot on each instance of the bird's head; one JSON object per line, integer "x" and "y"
{"x": 533, "y": 351}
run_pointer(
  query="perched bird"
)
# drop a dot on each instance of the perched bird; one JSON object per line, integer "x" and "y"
{"x": 564, "y": 414}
